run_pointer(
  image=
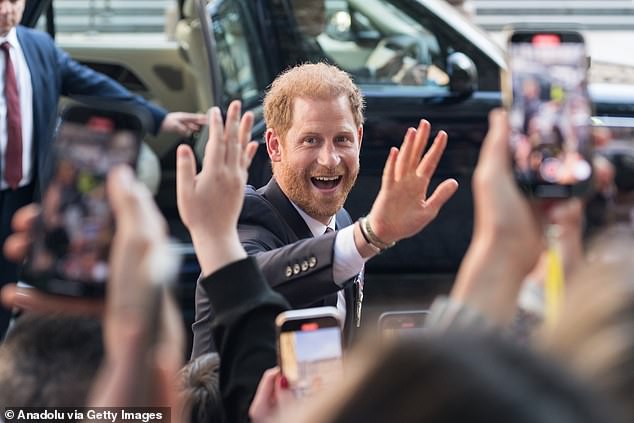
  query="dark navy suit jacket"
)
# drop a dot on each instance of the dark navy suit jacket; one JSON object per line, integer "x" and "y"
{"x": 55, "y": 74}
{"x": 295, "y": 264}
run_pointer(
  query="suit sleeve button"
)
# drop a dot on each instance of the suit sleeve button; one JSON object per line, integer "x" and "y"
{"x": 312, "y": 262}
{"x": 289, "y": 271}
{"x": 304, "y": 265}
{"x": 296, "y": 269}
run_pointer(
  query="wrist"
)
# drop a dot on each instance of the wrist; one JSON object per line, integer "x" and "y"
{"x": 215, "y": 252}
{"x": 489, "y": 280}
{"x": 371, "y": 237}
{"x": 380, "y": 230}
{"x": 365, "y": 249}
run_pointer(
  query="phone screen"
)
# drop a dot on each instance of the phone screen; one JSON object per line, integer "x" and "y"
{"x": 71, "y": 239}
{"x": 311, "y": 353}
{"x": 402, "y": 324}
{"x": 550, "y": 113}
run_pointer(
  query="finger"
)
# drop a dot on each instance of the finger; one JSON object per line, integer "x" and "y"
{"x": 404, "y": 154}
{"x": 181, "y": 129}
{"x": 246, "y": 126}
{"x": 185, "y": 179}
{"x": 428, "y": 165}
{"x": 24, "y": 217}
{"x": 420, "y": 141}
{"x": 283, "y": 395}
{"x": 133, "y": 206}
{"x": 442, "y": 194}
{"x": 119, "y": 184}
{"x": 196, "y": 118}
{"x": 495, "y": 148}
{"x": 32, "y": 300}
{"x": 192, "y": 126}
{"x": 249, "y": 153}
{"x": 232, "y": 131}
{"x": 7, "y": 295}
{"x": 201, "y": 118}
{"x": 16, "y": 246}
{"x": 215, "y": 148}
{"x": 389, "y": 170}
{"x": 263, "y": 394}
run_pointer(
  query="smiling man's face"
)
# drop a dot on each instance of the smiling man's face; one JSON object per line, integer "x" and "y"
{"x": 317, "y": 162}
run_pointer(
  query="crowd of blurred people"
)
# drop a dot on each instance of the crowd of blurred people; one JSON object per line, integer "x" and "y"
{"x": 480, "y": 359}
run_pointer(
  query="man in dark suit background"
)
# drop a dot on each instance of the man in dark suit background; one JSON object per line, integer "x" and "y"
{"x": 314, "y": 118}
{"x": 34, "y": 73}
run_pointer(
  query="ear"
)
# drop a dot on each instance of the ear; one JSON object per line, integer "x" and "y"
{"x": 360, "y": 134}
{"x": 273, "y": 145}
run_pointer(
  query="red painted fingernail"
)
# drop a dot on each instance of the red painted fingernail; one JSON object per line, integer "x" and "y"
{"x": 284, "y": 382}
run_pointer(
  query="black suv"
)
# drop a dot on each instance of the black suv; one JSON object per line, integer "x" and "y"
{"x": 412, "y": 59}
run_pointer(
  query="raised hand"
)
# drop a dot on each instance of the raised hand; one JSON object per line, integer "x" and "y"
{"x": 140, "y": 255}
{"x": 209, "y": 203}
{"x": 183, "y": 124}
{"x": 402, "y": 207}
{"x": 507, "y": 234}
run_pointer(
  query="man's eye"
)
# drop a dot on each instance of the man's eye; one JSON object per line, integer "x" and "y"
{"x": 342, "y": 139}
{"x": 310, "y": 140}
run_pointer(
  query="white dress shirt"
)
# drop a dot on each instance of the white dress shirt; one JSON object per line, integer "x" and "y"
{"x": 347, "y": 262}
{"x": 25, "y": 90}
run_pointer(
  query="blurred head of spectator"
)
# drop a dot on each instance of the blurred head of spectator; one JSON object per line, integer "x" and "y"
{"x": 595, "y": 334}
{"x": 50, "y": 361}
{"x": 310, "y": 16}
{"x": 457, "y": 377}
{"x": 200, "y": 389}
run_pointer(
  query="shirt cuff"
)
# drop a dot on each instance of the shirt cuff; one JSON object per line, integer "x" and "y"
{"x": 347, "y": 262}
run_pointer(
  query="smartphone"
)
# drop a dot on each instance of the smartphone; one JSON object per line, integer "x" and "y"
{"x": 310, "y": 348}
{"x": 549, "y": 112}
{"x": 72, "y": 236}
{"x": 402, "y": 324}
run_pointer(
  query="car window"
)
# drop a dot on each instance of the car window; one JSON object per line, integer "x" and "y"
{"x": 374, "y": 40}
{"x": 232, "y": 37}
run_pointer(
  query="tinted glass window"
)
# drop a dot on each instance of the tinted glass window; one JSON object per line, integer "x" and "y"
{"x": 373, "y": 39}
{"x": 232, "y": 44}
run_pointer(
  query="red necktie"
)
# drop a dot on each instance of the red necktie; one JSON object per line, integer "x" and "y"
{"x": 13, "y": 153}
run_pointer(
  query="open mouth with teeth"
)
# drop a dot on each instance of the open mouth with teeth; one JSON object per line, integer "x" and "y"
{"x": 326, "y": 182}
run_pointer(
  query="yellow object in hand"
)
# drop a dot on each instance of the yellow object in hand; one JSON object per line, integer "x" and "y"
{"x": 554, "y": 283}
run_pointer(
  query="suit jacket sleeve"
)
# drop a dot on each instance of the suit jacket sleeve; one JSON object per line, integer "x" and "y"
{"x": 301, "y": 270}
{"x": 80, "y": 80}
{"x": 244, "y": 331}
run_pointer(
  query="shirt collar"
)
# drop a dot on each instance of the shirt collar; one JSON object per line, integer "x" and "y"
{"x": 316, "y": 227}
{"x": 11, "y": 37}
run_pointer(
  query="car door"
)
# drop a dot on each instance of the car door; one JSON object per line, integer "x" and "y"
{"x": 395, "y": 102}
